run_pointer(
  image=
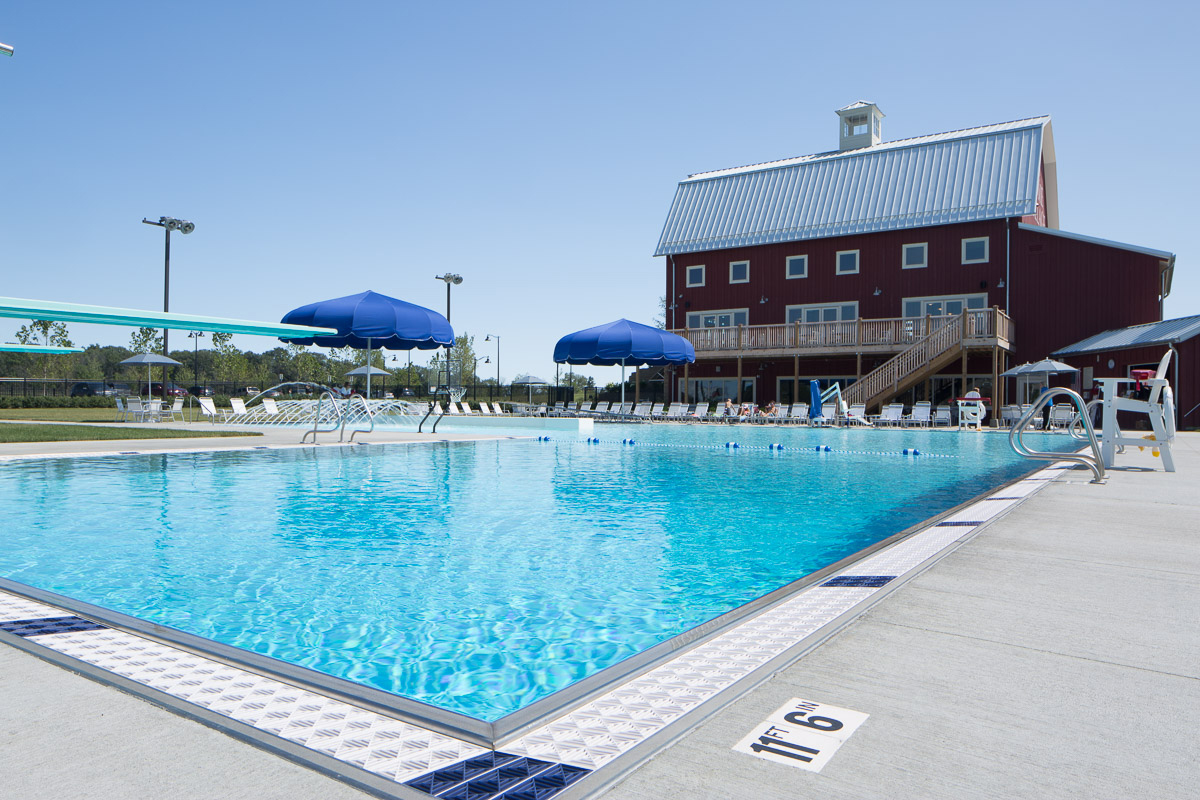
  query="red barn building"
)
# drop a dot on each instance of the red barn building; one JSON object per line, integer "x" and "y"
{"x": 905, "y": 269}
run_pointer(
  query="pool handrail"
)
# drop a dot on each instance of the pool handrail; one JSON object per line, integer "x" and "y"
{"x": 1093, "y": 462}
{"x": 346, "y": 416}
{"x": 317, "y": 417}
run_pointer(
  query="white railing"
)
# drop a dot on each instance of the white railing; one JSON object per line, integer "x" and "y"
{"x": 989, "y": 324}
{"x": 889, "y": 374}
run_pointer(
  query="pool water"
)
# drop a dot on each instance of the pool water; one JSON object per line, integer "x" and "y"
{"x": 482, "y": 576}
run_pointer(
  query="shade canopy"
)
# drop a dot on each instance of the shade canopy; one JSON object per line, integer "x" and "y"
{"x": 532, "y": 380}
{"x": 1016, "y": 371}
{"x": 630, "y": 344}
{"x": 151, "y": 360}
{"x": 371, "y": 320}
{"x": 1048, "y": 366}
{"x": 368, "y": 370}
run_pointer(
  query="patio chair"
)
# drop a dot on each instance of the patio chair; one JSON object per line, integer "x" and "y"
{"x": 268, "y": 404}
{"x": 134, "y": 409}
{"x": 497, "y": 409}
{"x": 1061, "y": 416}
{"x": 121, "y": 411}
{"x": 1009, "y": 415}
{"x": 452, "y": 408}
{"x": 437, "y": 409}
{"x": 483, "y": 408}
{"x": 466, "y": 408}
{"x": 176, "y": 410}
{"x": 798, "y": 414}
{"x": 941, "y": 416}
{"x": 238, "y": 409}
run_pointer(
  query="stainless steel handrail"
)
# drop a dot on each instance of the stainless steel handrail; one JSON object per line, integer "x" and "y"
{"x": 1093, "y": 462}
{"x": 317, "y": 417}
{"x": 346, "y": 417}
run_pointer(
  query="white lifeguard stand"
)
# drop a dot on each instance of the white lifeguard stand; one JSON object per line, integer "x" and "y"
{"x": 1159, "y": 407}
{"x": 971, "y": 411}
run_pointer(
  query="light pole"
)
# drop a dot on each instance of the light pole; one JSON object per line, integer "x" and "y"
{"x": 488, "y": 338}
{"x": 197, "y": 335}
{"x": 449, "y": 278}
{"x": 168, "y": 224}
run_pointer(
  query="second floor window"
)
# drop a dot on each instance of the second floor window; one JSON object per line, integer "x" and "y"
{"x": 847, "y": 262}
{"x": 739, "y": 271}
{"x": 695, "y": 276}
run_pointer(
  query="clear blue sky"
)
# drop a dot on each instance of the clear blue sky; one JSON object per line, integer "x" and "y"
{"x": 327, "y": 148}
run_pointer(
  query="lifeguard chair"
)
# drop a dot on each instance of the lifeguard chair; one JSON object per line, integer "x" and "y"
{"x": 1159, "y": 406}
{"x": 971, "y": 411}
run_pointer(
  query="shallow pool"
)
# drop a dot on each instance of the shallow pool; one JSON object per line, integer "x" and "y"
{"x": 478, "y": 577}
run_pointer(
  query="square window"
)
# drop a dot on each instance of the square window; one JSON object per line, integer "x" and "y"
{"x": 695, "y": 276}
{"x": 847, "y": 262}
{"x": 739, "y": 271}
{"x": 797, "y": 267}
{"x": 915, "y": 256}
{"x": 975, "y": 251}
{"x": 849, "y": 312}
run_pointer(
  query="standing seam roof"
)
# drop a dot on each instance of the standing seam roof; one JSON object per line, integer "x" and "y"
{"x": 1171, "y": 331}
{"x": 981, "y": 173}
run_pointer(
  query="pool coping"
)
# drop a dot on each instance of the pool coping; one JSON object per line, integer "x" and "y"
{"x": 534, "y": 736}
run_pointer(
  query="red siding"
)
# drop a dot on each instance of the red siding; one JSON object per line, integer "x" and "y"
{"x": 1038, "y": 217}
{"x": 1059, "y": 290}
{"x": 1064, "y": 290}
{"x": 1186, "y": 365}
{"x": 879, "y": 267}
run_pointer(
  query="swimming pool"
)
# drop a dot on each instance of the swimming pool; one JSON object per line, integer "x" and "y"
{"x": 476, "y": 577}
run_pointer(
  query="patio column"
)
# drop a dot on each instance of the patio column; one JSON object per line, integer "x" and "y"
{"x": 796, "y": 373}
{"x": 637, "y": 388}
{"x": 858, "y": 366}
{"x": 739, "y": 381}
{"x": 964, "y": 373}
{"x": 995, "y": 384}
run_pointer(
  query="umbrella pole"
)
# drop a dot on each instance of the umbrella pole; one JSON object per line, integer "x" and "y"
{"x": 368, "y": 368}
{"x": 622, "y": 384}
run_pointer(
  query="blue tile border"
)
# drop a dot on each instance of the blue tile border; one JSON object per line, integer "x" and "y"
{"x": 868, "y": 581}
{"x": 49, "y": 625}
{"x": 499, "y": 776}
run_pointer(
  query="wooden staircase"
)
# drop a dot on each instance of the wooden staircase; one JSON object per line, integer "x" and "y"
{"x": 927, "y": 357}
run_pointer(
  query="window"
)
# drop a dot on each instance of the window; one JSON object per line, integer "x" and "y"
{"x": 695, "y": 276}
{"x": 940, "y": 306}
{"x": 739, "y": 271}
{"x": 823, "y": 312}
{"x": 914, "y": 256}
{"x": 847, "y": 262}
{"x": 975, "y": 251}
{"x": 856, "y": 125}
{"x": 797, "y": 267}
{"x": 724, "y": 318}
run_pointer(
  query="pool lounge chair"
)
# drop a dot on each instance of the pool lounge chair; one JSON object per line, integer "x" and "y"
{"x": 941, "y": 416}
{"x": 857, "y": 415}
{"x": 1061, "y": 416}
{"x": 919, "y": 416}
{"x": 891, "y": 415}
{"x": 209, "y": 410}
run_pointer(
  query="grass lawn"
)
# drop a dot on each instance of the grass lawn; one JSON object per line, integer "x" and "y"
{"x": 16, "y": 432}
{"x": 65, "y": 414}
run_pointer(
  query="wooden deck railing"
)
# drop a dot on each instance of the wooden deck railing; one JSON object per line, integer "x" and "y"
{"x": 989, "y": 324}
{"x": 889, "y": 374}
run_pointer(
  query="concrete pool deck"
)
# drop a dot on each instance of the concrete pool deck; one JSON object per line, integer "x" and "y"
{"x": 1054, "y": 654}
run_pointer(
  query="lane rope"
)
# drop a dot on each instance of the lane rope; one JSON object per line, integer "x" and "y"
{"x": 772, "y": 447}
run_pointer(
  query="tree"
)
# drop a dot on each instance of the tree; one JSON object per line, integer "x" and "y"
{"x": 660, "y": 319}
{"x": 49, "y": 334}
{"x": 146, "y": 340}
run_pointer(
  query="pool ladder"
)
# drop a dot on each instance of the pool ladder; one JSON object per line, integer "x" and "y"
{"x": 341, "y": 417}
{"x": 1083, "y": 419}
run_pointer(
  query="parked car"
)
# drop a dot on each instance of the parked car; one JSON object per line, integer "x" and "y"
{"x": 173, "y": 390}
{"x": 406, "y": 392}
{"x": 200, "y": 391}
{"x": 92, "y": 389}
{"x": 250, "y": 391}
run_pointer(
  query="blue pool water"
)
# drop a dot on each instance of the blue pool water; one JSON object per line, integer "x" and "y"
{"x": 478, "y": 577}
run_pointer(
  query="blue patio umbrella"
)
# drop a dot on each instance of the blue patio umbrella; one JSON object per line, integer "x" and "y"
{"x": 630, "y": 344}
{"x": 369, "y": 320}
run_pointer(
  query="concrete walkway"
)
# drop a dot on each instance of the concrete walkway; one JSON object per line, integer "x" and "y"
{"x": 1056, "y": 654}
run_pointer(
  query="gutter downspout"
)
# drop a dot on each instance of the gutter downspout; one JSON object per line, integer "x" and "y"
{"x": 1007, "y": 264}
{"x": 1175, "y": 383}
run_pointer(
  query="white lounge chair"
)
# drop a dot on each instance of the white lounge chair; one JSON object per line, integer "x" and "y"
{"x": 268, "y": 404}
{"x": 941, "y": 416}
{"x": 857, "y": 415}
{"x": 209, "y": 409}
{"x": 919, "y": 416}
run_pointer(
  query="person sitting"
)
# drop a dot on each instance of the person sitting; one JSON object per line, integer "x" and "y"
{"x": 768, "y": 410}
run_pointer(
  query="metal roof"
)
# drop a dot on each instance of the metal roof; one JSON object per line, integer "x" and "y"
{"x": 1171, "y": 331}
{"x": 104, "y": 315}
{"x": 979, "y": 173}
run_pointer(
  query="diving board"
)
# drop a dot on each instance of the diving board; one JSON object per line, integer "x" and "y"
{"x": 105, "y": 315}
{"x": 37, "y": 348}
